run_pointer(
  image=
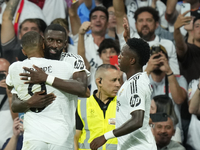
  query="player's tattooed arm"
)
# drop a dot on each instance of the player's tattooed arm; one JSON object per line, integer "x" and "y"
{"x": 77, "y": 86}
{"x": 36, "y": 101}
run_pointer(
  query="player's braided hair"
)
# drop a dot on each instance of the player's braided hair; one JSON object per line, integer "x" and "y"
{"x": 141, "y": 48}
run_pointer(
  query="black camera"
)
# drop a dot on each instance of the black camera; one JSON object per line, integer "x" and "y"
{"x": 2, "y": 75}
{"x": 154, "y": 50}
{"x": 159, "y": 117}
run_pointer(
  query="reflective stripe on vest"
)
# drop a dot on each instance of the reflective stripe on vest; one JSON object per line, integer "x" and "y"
{"x": 84, "y": 145}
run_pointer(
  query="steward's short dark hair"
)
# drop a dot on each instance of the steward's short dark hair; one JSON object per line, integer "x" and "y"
{"x": 31, "y": 40}
{"x": 55, "y": 27}
{"x": 39, "y": 22}
{"x": 99, "y": 8}
{"x": 141, "y": 48}
{"x": 108, "y": 43}
{"x": 103, "y": 68}
{"x": 150, "y": 10}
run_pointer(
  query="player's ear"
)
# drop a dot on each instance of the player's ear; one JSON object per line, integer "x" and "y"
{"x": 24, "y": 52}
{"x": 65, "y": 45}
{"x": 132, "y": 61}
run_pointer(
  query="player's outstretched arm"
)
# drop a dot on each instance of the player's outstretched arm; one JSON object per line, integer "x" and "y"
{"x": 77, "y": 86}
{"x": 131, "y": 125}
{"x": 36, "y": 101}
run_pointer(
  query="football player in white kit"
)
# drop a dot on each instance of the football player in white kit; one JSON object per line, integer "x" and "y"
{"x": 133, "y": 102}
{"x": 56, "y": 131}
{"x": 55, "y": 42}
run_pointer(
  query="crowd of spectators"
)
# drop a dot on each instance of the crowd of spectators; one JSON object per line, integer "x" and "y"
{"x": 97, "y": 30}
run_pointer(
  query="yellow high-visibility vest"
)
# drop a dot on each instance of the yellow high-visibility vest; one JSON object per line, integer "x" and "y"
{"x": 94, "y": 123}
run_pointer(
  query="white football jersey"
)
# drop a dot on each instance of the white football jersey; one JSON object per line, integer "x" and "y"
{"x": 56, "y": 123}
{"x": 74, "y": 59}
{"x": 135, "y": 94}
{"x": 193, "y": 131}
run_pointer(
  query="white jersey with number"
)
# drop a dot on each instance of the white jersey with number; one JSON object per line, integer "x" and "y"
{"x": 56, "y": 123}
{"x": 135, "y": 94}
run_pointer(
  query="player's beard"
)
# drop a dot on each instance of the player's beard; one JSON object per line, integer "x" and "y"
{"x": 148, "y": 36}
{"x": 55, "y": 56}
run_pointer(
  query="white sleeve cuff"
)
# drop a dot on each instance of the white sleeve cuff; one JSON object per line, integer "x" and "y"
{"x": 109, "y": 135}
{"x": 50, "y": 79}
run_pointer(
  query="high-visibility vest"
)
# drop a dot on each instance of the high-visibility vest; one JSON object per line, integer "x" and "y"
{"x": 94, "y": 123}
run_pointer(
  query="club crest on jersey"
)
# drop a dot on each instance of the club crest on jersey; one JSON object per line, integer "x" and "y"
{"x": 135, "y": 101}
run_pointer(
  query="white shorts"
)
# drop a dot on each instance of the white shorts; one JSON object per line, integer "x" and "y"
{"x": 38, "y": 145}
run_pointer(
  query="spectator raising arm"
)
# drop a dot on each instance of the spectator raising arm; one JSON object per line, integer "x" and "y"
{"x": 179, "y": 95}
{"x": 171, "y": 12}
{"x": 120, "y": 14}
{"x": 126, "y": 34}
{"x": 153, "y": 4}
{"x": 181, "y": 47}
{"x": 74, "y": 18}
{"x": 17, "y": 129}
{"x": 7, "y": 28}
{"x": 81, "y": 44}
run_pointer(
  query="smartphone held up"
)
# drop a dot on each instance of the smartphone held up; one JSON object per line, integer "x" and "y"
{"x": 114, "y": 60}
{"x": 186, "y": 7}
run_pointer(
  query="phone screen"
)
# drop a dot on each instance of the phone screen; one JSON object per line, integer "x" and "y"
{"x": 114, "y": 60}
